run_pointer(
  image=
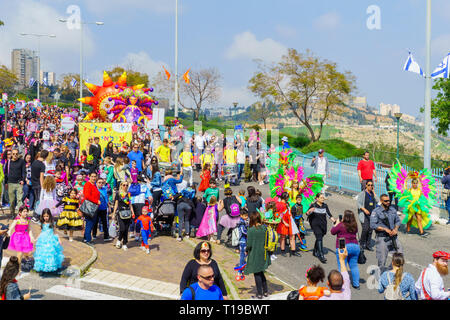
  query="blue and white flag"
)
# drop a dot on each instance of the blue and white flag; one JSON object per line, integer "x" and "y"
{"x": 73, "y": 83}
{"x": 45, "y": 82}
{"x": 442, "y": 71}
{"x": 32, "y": 82}
{"x": 412, "y": 66}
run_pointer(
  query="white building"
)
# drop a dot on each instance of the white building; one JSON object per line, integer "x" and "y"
{"x": 389, "y": 109}
{"x": 50, "y": 76}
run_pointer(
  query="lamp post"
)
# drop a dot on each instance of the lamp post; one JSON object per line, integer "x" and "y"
{"x": 427, "y": 127}
{"x": 235, "y": 104}
{"x": 398, "y": 116}
{"x": 176, "y": 58}
{"x": 39, "y": 54}
{"x": 98, "y": 23}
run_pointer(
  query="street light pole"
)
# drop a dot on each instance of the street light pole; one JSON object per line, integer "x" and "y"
{"x": 398, "y": 116}
{"x": 235, "y": 105}
{"x": 427, "y": 127}
{"x": 176, "y": 58}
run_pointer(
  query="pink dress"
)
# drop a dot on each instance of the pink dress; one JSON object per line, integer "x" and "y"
{"x": 20, "y": 240}
{"x": 208, "y": 225}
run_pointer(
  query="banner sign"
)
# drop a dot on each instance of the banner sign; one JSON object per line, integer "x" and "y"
{"x": 115, "y": 132}
{"x": 157, "y": 119}
{"x": 67, "y": 124}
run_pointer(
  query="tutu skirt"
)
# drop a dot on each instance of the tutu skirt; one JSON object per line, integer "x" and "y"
{"x": 20, "y": 241}
{"x": 229, "y": 222}
{"x": 48, "y": 256}
{"x": 48, "y": 204}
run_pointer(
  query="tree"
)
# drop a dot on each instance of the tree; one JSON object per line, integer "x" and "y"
{"x": 1, "y": 23}
{"x": 310, "y": 88}
{"x": 7, "y": 80}
{"x": 440, "y": 107}
{"x": 203, "y": 89}
{"x": 261, "y": 111}
{"x": 133, "y": 77}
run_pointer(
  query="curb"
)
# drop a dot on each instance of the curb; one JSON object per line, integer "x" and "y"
{"x": 85, "y": 266}
{"x": 233, "y": 293}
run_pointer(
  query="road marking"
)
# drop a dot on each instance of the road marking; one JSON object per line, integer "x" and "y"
{"x": 81, "y": 294}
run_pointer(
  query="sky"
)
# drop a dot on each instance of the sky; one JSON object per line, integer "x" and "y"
{"x": 230, "y": 35}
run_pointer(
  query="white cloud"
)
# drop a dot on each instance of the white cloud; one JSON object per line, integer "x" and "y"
{"x": 286, "y": 31}
{"x": 142, "y": 62}
{"x": 246, "y": 46}
{"x": 328, "y": 21}
{"x": 28, "y": 16}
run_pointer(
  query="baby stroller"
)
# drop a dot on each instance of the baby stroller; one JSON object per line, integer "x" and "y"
{"x": 230, "y": 173}
{"x": 163, "y": 218}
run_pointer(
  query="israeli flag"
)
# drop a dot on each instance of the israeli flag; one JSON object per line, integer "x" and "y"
{"x": 412, "y": 66}
{"x": 45, "y": 82}
{"x": 32, "y": 82}
{"x": 442, "y": 71}
{"x": 73, "y": 83}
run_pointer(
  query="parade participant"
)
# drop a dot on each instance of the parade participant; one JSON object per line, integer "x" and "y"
{"x": 49, "y": 165}
{"x": 202, "y": 256}
{"x": 213, "y": 190}
{"x": 297, "y": 214}
{"x": 240, "y": 157}
{"x": 145, "y": 224}
{"x": 312, "y": 291}
{"x": 385, "y": 221}
{"x": 28, "y": 194}
{"x": 134, "y": 172}
{"x": 186, "y": 160}
{"x": 231, "y": 204}
{"x": 15, "y": 176}
{"x": 119, "y": 172}
{"x": 243, "y": 230}
{"x": 396, "y": 284}
{"x": 367, "y": 201}
{"x": 9, "y": 289}
{"x": 138, "y": 200}
{"x": 347, "y": 229}
{"x": 123, "y": 211}
{"x": 21, "y": 240}
{"x": 48, "y": 196}
{"x": 317, "y": 217}
{"x": 138, "y": 157}
{"x": 253, "y": 201}
{"x": 366, "y": 171}
{"x": 163, "y": 152}
{"x": 102, "y": 212}
{"x": 96, "y": 151}
{"x": 69, "y": 220}
{"x": 287, "y": 227}
{"x": 417, "y": 200}
{"x": 446, "y": 190}
{"x": 208, "y": 226}
{"x": 205, "y": 176}
{"x": 185, "y": 208}
{"x": 155, "y": 185}
{"x": 257, "y": 260}
{"x": 430, "y": 285}
{"x": 48, "y": 256}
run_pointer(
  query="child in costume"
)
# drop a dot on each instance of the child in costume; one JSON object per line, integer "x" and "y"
{"x": 48, "y": 256}
{"x": 311, "y": 291}
{"x": 205, "y": 176}
{"x": 208, "y": 226}
{"x": 146, "y": 225}
{"x": 211, "y": 191}
{"x": 21, "y": 240}
{"x": 79, "y": 184}
{"x": 295, "y": 190}
{"x": 243, "y": 198}
{"x": 286, "y": 228}
{"x": 242, "y": 226}
{"x": 417, "y": 200}
{"x": 69, "y": 219}
{"x": 47, "y": 198}
{"x": 197, "y": 216}
{"x": 134, "y": 172}
{"x": 61, "y": 188}
{"x": 297, "y": 214}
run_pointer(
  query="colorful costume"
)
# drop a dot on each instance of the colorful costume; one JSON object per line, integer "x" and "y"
{"x": 204, "y": 184}
{"x": 208, "y": 225}
{"x": 146, "y": 225}
{"x": 47, "y": 200}
{"x": 316, "y": 295}
{"x": 20, "y": 240}
{"x": 69, "y": 219}
{"x": 48, "y": 256}
{"x": 414, "y": 201}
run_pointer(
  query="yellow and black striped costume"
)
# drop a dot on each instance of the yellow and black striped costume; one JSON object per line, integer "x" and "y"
{"x": 69, "y": 218}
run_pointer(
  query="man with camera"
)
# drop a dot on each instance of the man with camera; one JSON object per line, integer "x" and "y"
{"x": 385, "y": 221}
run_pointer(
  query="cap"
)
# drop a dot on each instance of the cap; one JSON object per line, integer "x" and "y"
{"x": 284, "y": 139}
{"x": 441, "y": 254}
{"x": 320, "y": 150}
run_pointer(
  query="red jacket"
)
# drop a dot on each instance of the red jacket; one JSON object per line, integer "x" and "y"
{"x": 91, "y": 192}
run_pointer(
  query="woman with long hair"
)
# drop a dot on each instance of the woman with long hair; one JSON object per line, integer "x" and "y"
{"x": 403, "y": 280}
{"x": 27, "y": 190}
{"x": 155, "y": 185}
{"x": 47, "y": 198}
{"x": 49, "y": 165}
{"x": 347, "y": 229}
{"x": 119, "y": 172}
{"x": 254, "y": 202}
{"x": 123, "y": 210}
{"x": 9, "y": 290}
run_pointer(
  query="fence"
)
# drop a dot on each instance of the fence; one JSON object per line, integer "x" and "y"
{"x": 344, "y": 175}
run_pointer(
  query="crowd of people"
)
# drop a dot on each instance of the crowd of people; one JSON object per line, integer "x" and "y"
{"x": 120, "y": 190}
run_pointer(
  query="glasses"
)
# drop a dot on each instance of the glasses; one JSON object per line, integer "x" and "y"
{"x": 205, "y": 251}
{"x": 211, "y": 277}
{"x": 14, "y": 153}
{"x": 369, "y": 185}
{"x": 385, "y": 200}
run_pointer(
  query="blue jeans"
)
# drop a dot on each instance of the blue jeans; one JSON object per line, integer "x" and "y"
{"x": 88, "y": 228}
{"x": 447, "y": 204}
{"x": 352, "y": 261}
{"x": 240, "y": 170}
{"x": 28, "y": 194}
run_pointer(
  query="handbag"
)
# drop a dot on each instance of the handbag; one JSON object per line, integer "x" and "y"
{"x": 6, "y": 242}
{"x": 125, "y": 214}
{"x": 112, "y": 230}
{"x": 88, "y": 208}
{"x": 361, "y": 258}
{"x": 445, "y": 194}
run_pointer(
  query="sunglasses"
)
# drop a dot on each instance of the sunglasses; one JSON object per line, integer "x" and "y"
{"x": 204, "y": 251}
{"x": 385, "y": 200}
{"x": 369, "y": 184}
{"x": 211, "y": 277}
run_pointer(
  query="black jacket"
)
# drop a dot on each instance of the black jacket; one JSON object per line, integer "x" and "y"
{"x": 15, "y": 171}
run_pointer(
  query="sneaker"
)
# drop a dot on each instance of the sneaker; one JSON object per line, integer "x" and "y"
{"x": 35, "y": 220}
{"x": 448, "y": 222}
{"x": 142, "y": 248}
{"x": 94, "y": 238}
{"x": 107, "y": 239}
{"x": 118, "y": 244}
{"x": 124, "y": 247}
{"x": 179, "y": 239}
{"x": 273, "y": 257}
{"x": 70, "y": 239}
{"x": 147, "y": 251}
{"x": 425, "y": 234}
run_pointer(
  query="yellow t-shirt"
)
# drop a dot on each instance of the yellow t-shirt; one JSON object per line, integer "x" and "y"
{"x": 186, "y": 159}
{"x": 230, "y": 156}
{"x": 207, "y": 158}
{"x": 164, "y": 153}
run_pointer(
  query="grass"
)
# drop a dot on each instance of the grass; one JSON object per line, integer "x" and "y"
{"x": 336, "y": 147}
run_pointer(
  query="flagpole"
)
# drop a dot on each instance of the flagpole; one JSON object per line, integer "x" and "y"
{"x": 427, "y": 128}
{"x": 176, "y": 58}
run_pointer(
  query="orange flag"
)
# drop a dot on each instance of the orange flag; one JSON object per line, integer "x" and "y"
{"x": 167, "y": 73}
{"x": 186, "y": 77}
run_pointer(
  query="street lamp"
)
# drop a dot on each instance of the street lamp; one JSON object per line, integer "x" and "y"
{"x": 235, "y": 104}
{"x": 98, "y": 23}
{"x": 398, "y": 115}
{"x": 39, "y": 54}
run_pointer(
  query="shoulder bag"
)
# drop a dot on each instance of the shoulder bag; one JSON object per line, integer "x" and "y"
{"x": 361, "y": 258}
{"x": 88, "y": 208}
{"x": 125, "y": 214}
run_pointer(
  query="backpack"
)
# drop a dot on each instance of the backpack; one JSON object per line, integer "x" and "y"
{"x": 134, "y": 189}
{"x": 271, "y": 241}
{"x": 235, "y": 236}
{"x": 188, "y": 193}
{"x": 393, "y": 294}
{"x": 167, "y": 191}
{"x": 235, "y": 210}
